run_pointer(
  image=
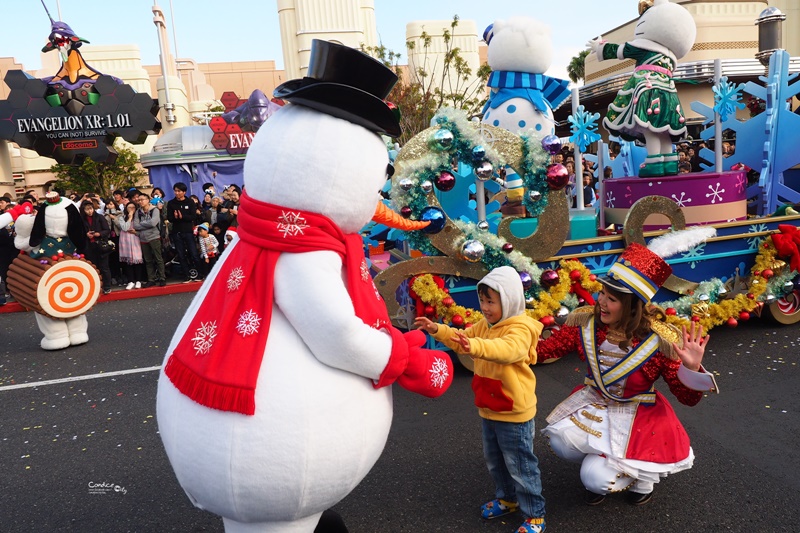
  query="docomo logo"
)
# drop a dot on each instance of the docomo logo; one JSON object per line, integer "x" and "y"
{"x": 79, "y": 145}
{"x": 104, "y": 487}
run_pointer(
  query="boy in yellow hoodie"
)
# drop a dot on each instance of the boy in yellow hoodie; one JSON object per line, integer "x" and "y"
{"x": 503, "y": 346}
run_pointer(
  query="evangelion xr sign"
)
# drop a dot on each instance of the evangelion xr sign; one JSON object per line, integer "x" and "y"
{"x": 71, "y": 122}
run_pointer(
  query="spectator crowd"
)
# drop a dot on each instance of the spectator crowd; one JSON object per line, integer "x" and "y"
{"x": 138, "y": 240}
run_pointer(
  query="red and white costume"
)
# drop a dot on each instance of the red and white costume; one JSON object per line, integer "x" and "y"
{"x": 624, "y": 433}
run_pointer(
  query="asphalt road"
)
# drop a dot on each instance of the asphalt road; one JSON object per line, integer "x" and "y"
{"x": 85, "y": 455}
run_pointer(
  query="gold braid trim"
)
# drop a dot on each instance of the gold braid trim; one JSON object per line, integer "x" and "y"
{"x": 580, "y": 316}
{"x": 667, "y": 334}
{"x": 584, "y": 427}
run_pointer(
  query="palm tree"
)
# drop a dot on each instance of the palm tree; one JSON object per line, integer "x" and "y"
{"x": 576, "y": 68}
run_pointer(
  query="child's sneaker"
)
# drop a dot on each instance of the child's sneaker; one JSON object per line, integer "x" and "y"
{"x": 532, "y": 525}
{"x": 497, "y": 507}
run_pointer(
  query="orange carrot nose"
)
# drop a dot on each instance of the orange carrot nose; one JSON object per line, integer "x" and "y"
{"x": 384, "y": 215}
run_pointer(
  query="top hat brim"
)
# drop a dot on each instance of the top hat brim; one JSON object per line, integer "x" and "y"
{"x": 341, "y": 101}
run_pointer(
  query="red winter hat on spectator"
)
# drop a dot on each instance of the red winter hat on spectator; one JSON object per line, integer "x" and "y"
{"x": 230, "y": 231}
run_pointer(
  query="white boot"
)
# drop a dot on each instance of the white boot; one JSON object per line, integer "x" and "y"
{"x": 56, "y": 334}
{"x": 78, "y": 330}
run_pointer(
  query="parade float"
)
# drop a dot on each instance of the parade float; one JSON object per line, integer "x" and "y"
{"x": 213, "y": 153}
{"x": 749, "y": 269}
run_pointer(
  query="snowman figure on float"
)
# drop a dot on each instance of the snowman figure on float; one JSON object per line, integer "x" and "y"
{"x": 274, "y": 400}
{"x": 521, "y": 96}
{"x": 647, "y": 108}
{"x": 69, "y": 286}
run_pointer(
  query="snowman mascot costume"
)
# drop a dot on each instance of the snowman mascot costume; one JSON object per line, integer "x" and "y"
{"x": 56, "y": 229}
{"x": 273, "y": 402}
{"x": 521, "y": 96}
{"x": 647, "y": 107}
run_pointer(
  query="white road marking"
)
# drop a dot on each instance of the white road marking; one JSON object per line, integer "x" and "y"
{"x": 79, "y": 378}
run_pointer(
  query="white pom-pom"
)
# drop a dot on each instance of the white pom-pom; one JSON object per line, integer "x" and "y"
{"x": 676, "y": 242}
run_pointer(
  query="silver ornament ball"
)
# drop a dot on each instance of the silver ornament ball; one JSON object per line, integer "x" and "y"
{"x": 426, "y": 186}
{"x": 534, "y": 196}
{"x": 483, "y": 225}
{"x": 472, "y": 251}
{"x": 484, "y": 171}
{"x": 406, "y": 184}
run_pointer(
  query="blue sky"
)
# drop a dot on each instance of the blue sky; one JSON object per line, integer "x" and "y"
{"x": 248, "y": 30}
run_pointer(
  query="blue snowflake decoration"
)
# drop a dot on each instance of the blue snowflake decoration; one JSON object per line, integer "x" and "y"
{"x": 583, "y": 128}
{"x": 727, "y": 98}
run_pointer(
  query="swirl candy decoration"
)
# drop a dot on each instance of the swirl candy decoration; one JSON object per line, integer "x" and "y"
{"x": 62, "y": 288}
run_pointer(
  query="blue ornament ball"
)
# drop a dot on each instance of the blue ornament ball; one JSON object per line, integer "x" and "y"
{"x": 551, "y": 144}
{"x": 478, "y": 153}
{"x": 436, "y": 217}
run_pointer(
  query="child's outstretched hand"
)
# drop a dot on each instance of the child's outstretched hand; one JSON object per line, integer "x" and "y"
{"x": 426, "y": 324}
{"x": 462, "y": 341}
{"x": 694, "y": 346}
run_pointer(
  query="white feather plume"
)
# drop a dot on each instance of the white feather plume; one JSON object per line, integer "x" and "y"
{"x": 676, "y": 242}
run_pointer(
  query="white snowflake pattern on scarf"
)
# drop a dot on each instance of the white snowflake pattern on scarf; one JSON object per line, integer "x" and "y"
{"x": 204, "y": 337}
{"x": 364, "y": 270}
{"x": 235, "y": 279}
{"x": 248, "y": 323}
{"x": 291, "y": 224}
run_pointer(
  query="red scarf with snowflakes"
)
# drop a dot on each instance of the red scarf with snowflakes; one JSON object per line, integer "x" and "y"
{"x": 216, "y": 362}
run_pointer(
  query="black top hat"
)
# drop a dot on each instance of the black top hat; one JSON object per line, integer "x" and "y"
{"x": 345, "y": 83}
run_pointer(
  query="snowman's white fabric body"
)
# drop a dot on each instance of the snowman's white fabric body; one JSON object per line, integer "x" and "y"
{"x": 319, "y": 424}
{"x": 58, "y": 333}
{"x": 522, "y": 97}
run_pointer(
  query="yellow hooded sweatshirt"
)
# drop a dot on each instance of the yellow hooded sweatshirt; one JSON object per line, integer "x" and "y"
{"x": 504, "y": 383}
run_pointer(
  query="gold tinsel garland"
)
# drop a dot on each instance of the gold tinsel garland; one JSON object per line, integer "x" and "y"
{"x": 720, "y": 312}
{"x": 549, "y": 300}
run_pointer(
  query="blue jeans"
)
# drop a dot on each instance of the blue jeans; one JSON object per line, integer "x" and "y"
{"x": 508, "y": 450}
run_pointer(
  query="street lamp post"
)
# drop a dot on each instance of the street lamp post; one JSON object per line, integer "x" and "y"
{"x": 770, "y": 33}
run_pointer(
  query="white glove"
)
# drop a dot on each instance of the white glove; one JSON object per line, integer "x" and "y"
{"x": 23, "y": 227}
{"x": 596, "y": 45}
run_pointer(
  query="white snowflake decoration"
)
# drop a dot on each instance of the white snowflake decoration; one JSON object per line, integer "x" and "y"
{"x": 364, "y": 271}
{"x": 204, "y": 337}
{"x": 610, "y": 199}
{"x": 439, "y": 373}
{"x": 248, "y": 323}
{"x": 235, "y": 279}
{"x": 683, "y": 200}
{"x": 716, "y": 193}
{"x": 291, "y": 224}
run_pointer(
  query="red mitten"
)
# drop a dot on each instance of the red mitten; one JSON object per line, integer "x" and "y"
{"x": 22, "y": 208}
{"x": 398, "y": 359}
{"x": 429, "y": 372}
